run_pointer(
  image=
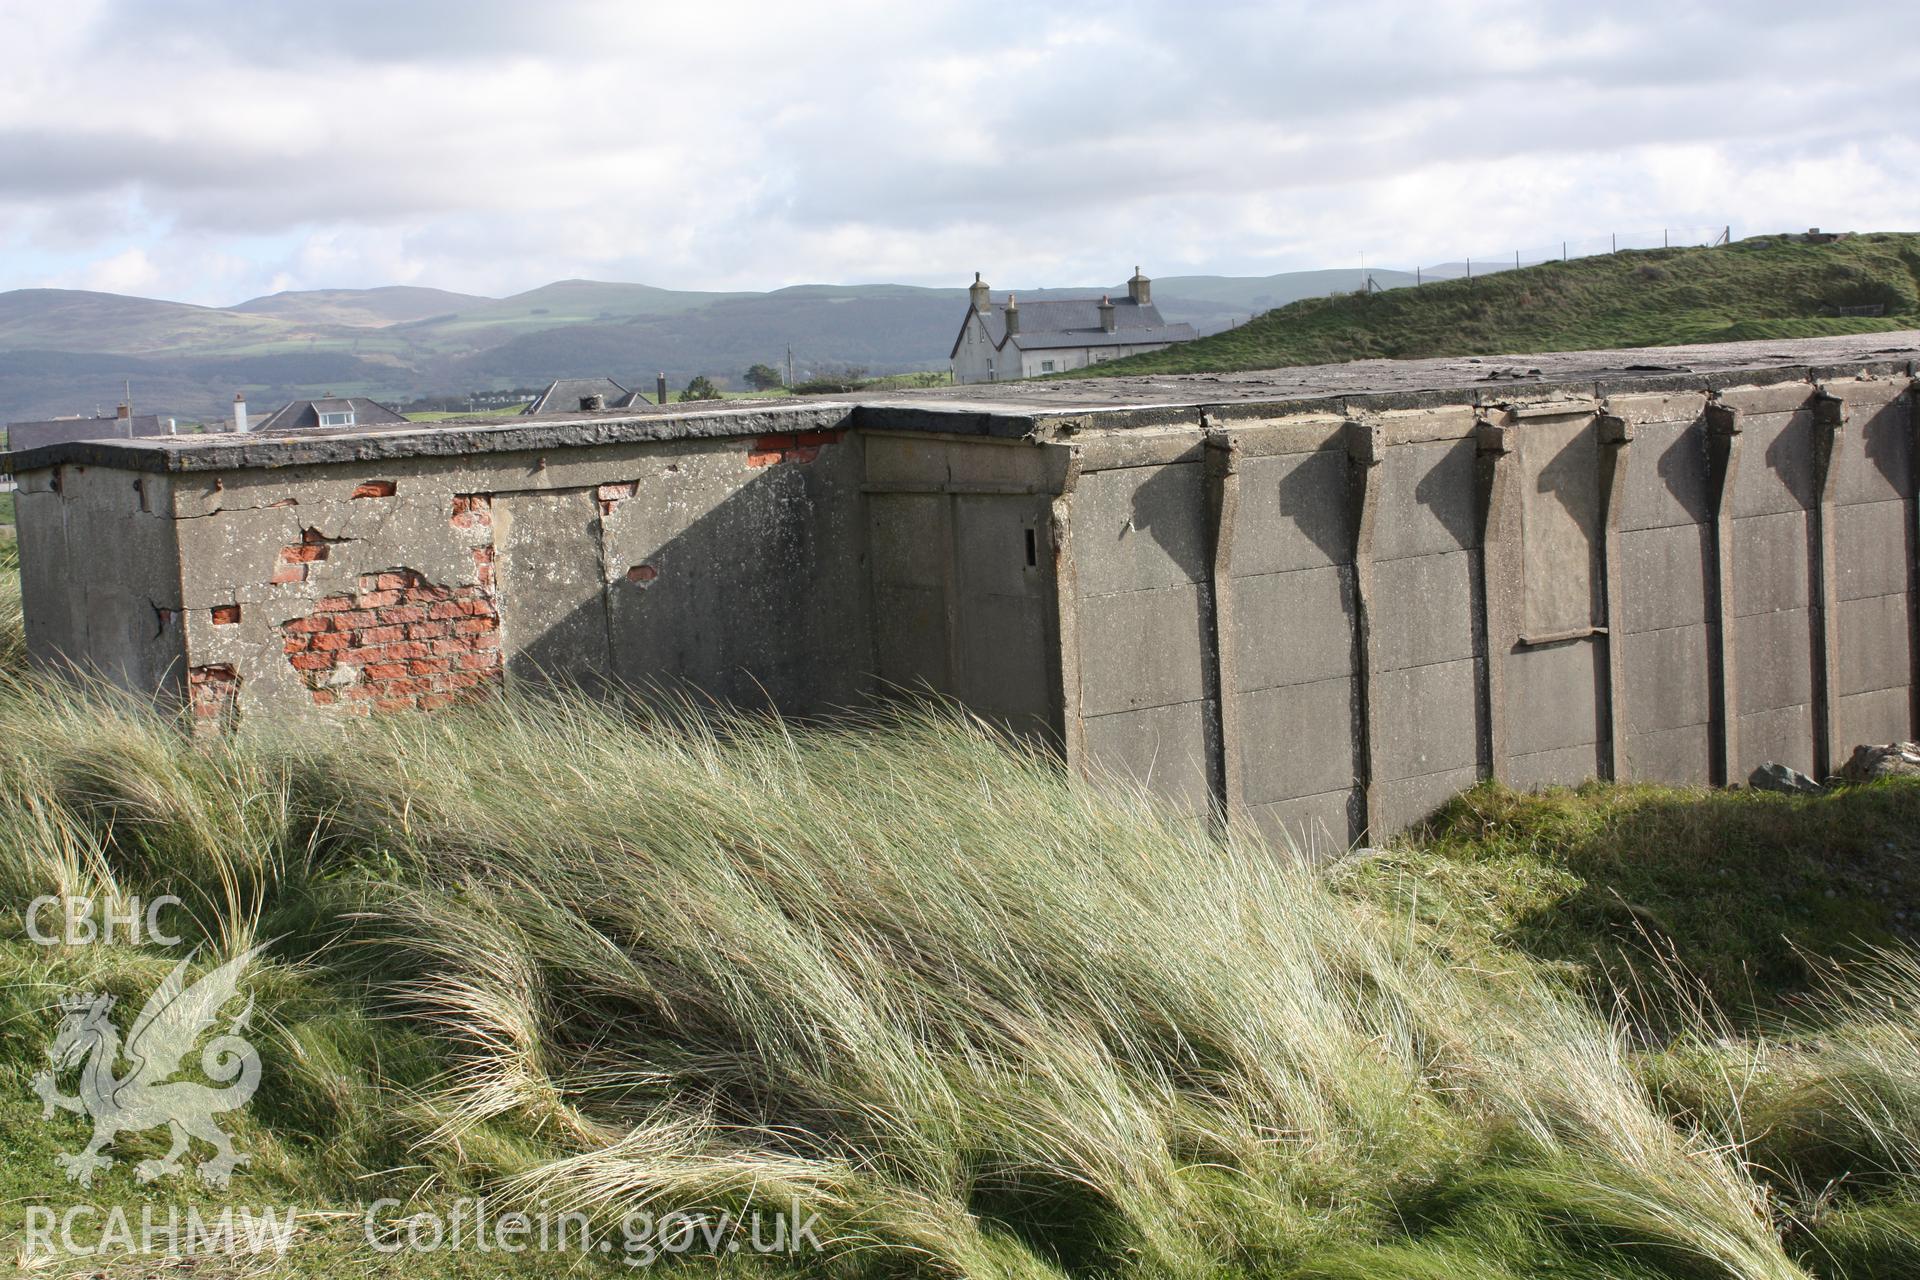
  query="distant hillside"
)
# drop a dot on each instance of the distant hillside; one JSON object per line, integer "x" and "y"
{"x": 1766, "y": 287}
{"x": 67, "y": 351}
{"x": 367, "y": 308}
{"x": 81, "y": 320}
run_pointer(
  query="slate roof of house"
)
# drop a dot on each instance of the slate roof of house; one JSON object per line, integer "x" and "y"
{"x": 32, "y": 435}
{"x": 302, "y": 415}
{"x": 563, "y": 395}
{"x": 1052, "y": 323}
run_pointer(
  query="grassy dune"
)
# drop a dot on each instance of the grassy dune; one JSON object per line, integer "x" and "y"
{"x": 1765, "y": 287}
{"x": 978, "y": 1019}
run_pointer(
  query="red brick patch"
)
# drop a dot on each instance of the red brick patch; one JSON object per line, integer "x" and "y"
{"x": 472, "y": 511}
{"x": 394, "y": 642}
{"x": 225, "y": 615}
{"x": 800, "y": 446}
{"x": 612, "y": 495}
{"x": 213, "y": 693}
{"x": 295, "y": 557}
{"x": 374, "y": 489}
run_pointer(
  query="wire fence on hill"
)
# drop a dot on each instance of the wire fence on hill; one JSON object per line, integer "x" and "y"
{"x": 1483, "y": 264}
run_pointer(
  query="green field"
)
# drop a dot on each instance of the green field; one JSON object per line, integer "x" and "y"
{"x": 1766, "y": 287}
{"x": 964, "y": 1015}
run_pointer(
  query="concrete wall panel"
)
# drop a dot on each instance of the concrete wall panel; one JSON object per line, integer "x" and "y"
{"x": 1297, "y": 740}
{"x": 1874, "y": 548}
{"x": 1663, "y": 577}
{"x": 1293, "y": 513}
{"x": 1873, "y": 642}
{"x": 1137, "y": 528}
{"x": 1423, "y": 723}
{"x": 1877, "y": 444}
{"x": 1291, "y": 628}
{"x": 1776, "y": 660}
{"x": 1142, "y": 649}
{"x": 1683, "y": 755}
{"x": 1566, "y": 767}
{"x": 1315, "y": 827}
{"x": 1776, "y": 464}
{"x": 1553, "y": 696}
{"x": 1427, "y": 503}
{"x": 1404, "y": 801}
{"x": 553, "y": 598}
{"x": 1783, "y": 735}
{"x": 1670, "y": 484}
{"x": 1885, "y": 715}
{"x": 1770, "y": 563}
{"x": 1667, "y": 675}
{"x": 1426, "y": 610}
{"x": 1160, "y": 748}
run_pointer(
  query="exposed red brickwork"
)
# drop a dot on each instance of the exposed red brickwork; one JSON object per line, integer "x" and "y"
{"x": 612, "y": 495}
{"x": 374, "y": 489}
{"x": 225, "y": 615}
{"x": 399, "y": 641}
{"x": 294, "y": 558}
{"x": 802, "y": 446}
{"x": 212, "y": 694}
{"x": 644, "y": 574}
{"x": 472, "y": 511}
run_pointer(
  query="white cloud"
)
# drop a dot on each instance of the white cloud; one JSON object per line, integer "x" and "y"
{"x": 210, "y": 149}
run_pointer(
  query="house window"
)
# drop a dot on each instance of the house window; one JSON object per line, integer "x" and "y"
{"x": 337, "y": 419}
{"x": 1046, "y": 366}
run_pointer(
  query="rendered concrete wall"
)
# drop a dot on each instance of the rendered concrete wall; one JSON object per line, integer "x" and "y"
{"x": 100, "y": 576}
{"x": 713, "y": 565}
{"x": 1327, "y": 624}
{"x": 963, "y": 575}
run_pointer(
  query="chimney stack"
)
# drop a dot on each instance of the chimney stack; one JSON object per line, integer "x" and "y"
{"x": 1140, "y": 289}
{"x": 123, "y": 413}
{"x": 239, "y": 412}
{"x": 660, "y": 388}
{"x": 1013, "y": 314}
{"x": 1106, "y": 314}
{"x": 977, "y": 293}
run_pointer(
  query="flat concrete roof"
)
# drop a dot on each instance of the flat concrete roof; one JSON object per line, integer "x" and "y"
{"x": 1026, "y": 408}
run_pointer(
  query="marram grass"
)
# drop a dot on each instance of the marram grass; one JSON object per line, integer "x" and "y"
{"x": 980, "y": 1019}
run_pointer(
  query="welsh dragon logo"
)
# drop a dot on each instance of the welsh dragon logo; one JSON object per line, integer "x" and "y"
{"x": 142, "y": 1097}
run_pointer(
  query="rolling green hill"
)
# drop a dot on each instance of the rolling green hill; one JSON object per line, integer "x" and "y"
{"x": 367, "y": 308}
{"x": 1766, "y": 287}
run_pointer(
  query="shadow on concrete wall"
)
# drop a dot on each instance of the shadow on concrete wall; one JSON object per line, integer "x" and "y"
{"x": 748, "y": 605}
{"x": 1682, "y": 468}
{"x": 1169, "y": 506}
{"x": 1448, "y": 490}
{"x": 1313, "y": 496}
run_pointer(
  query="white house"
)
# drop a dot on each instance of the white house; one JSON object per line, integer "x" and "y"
{"x": 1001, "y": 340}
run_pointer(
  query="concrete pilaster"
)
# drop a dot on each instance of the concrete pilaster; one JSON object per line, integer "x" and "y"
{"x": 1223, "y": 502}
{"x": 1366, "y": 449}
{"x": 1829, "y": 420}
{"x": 1499, "y": 509}
{"x": 1723, "y": 460}
{"x": 1616, "y": 437}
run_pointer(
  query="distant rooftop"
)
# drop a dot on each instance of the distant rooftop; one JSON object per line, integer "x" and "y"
{"x": 51, "y": 431}
{"x": 332, "y": 412}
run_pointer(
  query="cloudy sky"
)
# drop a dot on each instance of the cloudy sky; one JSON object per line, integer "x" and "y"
{"x": 212, "y": 150}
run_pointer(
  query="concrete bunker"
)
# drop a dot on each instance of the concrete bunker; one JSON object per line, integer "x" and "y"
{"x": 1323, "y": 613}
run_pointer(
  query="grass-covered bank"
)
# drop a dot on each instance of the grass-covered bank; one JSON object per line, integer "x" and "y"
{"x": 1763, "y": 287}
{"x": 979, "y": 1020}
